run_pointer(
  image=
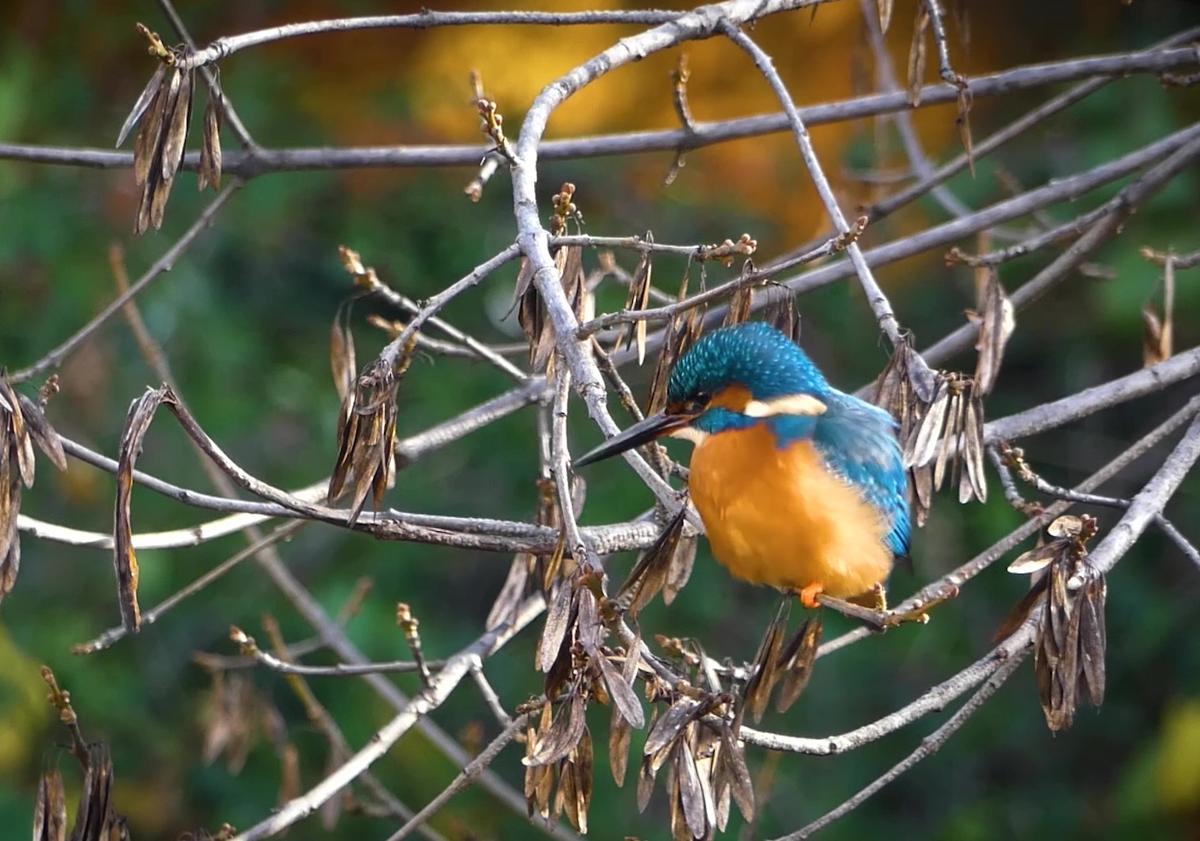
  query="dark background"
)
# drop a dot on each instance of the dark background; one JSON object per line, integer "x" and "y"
{"x": 245, "y": 316}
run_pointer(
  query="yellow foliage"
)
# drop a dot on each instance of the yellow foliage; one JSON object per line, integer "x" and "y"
{"x": 23, "y": 708}
{"x": 1177, "y": 765}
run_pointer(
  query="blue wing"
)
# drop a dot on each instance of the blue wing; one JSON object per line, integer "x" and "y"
{"x": 858, "y": 442}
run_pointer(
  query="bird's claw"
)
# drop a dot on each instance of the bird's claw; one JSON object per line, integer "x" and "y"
{"x": 810, "y": 596}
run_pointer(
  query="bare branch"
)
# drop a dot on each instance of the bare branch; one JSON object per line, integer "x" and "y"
{"x": 875, "y": 297}
{"x": 247, "y": 165}
{"x": 163, "y": 264}
{"x": 929, "y": 746}
{"x": 455, "y": 669}
{"x": 485, "y": 758}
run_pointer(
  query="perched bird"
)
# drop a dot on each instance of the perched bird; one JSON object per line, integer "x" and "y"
{"x": 800, "y": 486}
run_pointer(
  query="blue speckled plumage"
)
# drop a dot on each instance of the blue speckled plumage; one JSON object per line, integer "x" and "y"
{"x": 856, "y": 440}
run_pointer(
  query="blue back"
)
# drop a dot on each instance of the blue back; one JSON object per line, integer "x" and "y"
{"x": 856, "y": 439}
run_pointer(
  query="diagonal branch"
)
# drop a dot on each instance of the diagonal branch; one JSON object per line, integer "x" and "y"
{"x": 429, "y": 699}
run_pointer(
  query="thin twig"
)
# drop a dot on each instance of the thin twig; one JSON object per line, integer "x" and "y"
{"x": 275, "y": 664}
{"x": 431, "y": 698}
{"x": 464, "y": 779}
{"x": 247, "y": 166}
{"x": 878, "y": 301}
{"x": 149, "y": 617}
{"x": 210, "y": 78}
{"x": 1003, "y": 456}
{"x": 490, "y": 697}
{"x": 905, "y": 128}
{"x": 163, "y": 264}
{"x": 929, "y": 746}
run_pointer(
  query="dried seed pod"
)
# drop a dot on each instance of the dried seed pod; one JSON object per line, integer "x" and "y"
{"x": 766, "y": 668}
{"x": 50, "y": 809}
{"x": 564, "y": 734}
{"x": 653, "y": 568}
{"x": 796, "y": 663}
{"x": 681, "y": 333}
{"x": 645, "y": 786}
{"x": 625, "y": 701}
{"x": 885, "y": 14}
{"x": 141, "y": 412}
{"x": 734, "y": 775}
{"x": 691, "y": 795}
{"x": 638, "y": 298}
{"x": 916, "y": 55}
{"x": 996, "y": 318}
{"x": 142, "y": 105}
{"x": 558, "y": 622}
{"x": 671, "y": 724}
{"x": 210, "y": 145}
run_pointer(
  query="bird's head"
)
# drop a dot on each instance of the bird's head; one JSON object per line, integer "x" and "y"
{"x": 733, "y": 378}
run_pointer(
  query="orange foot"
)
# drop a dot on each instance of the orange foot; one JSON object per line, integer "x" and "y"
{"x": 808, "y": 596}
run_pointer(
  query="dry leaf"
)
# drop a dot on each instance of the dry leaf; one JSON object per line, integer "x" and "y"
{"x": 39, "y": 427}
{"x": 645, "y": 786}
{"x": 210, "y": 144}
{"x": 691, "y": 795}
{"x": 735, "y": 775}
{"x": 649, "y": 574}
{"x": 996, "y": 318}
{"x": 885, "y": 14}
{"x": 637, "y": 299}
{"x": 341, "y": 353}
{"x": 962, "y": 119}
{"x": 563, "y": 735}
{"x": 177, "y": 122}
{"x": 1158, "y": 333}
{"x": 94, "y": 811}
{"x": 558, "y": 621}
{"x": 621, "y": 693}
{"x": 765, "y": 669}
{"x": 916, "y": 55}
{"x": 142, "y": 104}
{"x": 141, "y": 412}
{"x": 50, "y": 811}
{"x": 679, "y": 569}
{"x": 671, "y": 724}
{"x": 797, "y": 662}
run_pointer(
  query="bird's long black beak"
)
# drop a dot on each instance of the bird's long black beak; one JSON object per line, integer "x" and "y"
{"x": 636, "y": 435}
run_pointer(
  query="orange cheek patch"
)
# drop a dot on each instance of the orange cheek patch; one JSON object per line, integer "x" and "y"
{"x": 734, "y": 398}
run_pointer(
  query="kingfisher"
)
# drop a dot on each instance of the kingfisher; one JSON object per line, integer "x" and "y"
{"x": 800, "y": 486}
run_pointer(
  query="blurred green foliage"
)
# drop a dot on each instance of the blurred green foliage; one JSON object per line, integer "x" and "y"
{"x": 245, "y": 317}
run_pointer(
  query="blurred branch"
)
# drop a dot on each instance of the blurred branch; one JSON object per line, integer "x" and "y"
{"x": 929, "y": 746}
{"x": 258, "y": 543}
{"x": 455, "y": 669}
{"x": 247, "y": 165}
{"x": 1180, "y": 261}
{"x": 428, "y": 310}
{"x": 324, "y": 721}
{"x": 425, "y": 19}
{"x": 164, "y": 264}
{"x": 903, "y": 119}
{"x": 880, "y": 305}
{"x": 249, "y": 648}
{"x": 1005, "y": 455}
{"x": 1125, "y": 203}
{"x": 464, "y": 779}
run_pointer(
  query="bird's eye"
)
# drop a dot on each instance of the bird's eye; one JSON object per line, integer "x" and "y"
{"x": 697, "y": 403}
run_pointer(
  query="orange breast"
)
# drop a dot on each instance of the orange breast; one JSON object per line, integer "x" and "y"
{"x": 777, "y": 516}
